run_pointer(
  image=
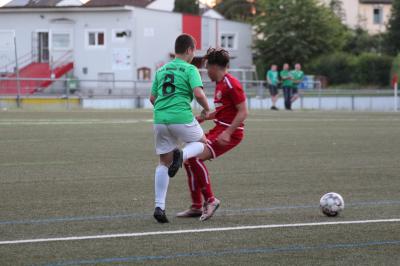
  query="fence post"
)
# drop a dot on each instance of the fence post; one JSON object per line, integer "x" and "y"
{"x": 319, "y": 100}
{"x": 260, "y": 89}
{"x": 395, "y": 82}
{"x": 301, "y": 101}
{"x": 396, "y": 100}
{"x": 17, "y": 74}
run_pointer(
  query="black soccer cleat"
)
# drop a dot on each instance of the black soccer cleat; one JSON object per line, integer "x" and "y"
{"x": 176, "y": 163}
{"x": 160, "y": 216}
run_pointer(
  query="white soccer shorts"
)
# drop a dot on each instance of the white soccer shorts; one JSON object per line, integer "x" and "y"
{"x": 168, "y": 137}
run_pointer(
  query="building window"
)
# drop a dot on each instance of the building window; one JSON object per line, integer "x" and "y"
{"x": 378, "y": 15}
{"x": 96, "y": 39}
{"x": 228, "y": 41}
{"x": 121, "y": 35}
{"x": 61, "y": 41}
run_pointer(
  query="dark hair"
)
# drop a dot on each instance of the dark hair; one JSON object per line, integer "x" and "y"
{"x": 219, "y": 57}
{"x": 184, "y": 42}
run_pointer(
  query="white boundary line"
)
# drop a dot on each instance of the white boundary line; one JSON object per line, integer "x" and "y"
{"x": 39, "y": 122}
{"x": 205, "y": 230}
{"x": 71, "y": 122}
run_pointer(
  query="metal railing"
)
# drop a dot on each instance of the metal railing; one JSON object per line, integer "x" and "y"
{"x": 23, "y": 61}
{"x": 66, "y": 58}
{"x": 139, "y": 91}
{"x": 30, "y": 57}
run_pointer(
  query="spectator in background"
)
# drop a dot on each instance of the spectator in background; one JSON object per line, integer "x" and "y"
{"x": 298, "y": 77}
{"x": 273, "y": 82}
{"x": 287, "y": 84}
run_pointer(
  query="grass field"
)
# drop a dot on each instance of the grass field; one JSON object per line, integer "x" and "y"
{"x": 76, "y": 174}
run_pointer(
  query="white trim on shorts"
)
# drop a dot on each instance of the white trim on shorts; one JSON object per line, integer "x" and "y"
{"x": 226, "y": 124}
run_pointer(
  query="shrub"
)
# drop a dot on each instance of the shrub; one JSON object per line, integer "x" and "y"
{"x": 337, "y": 67}
{"x": 373, "y": 69}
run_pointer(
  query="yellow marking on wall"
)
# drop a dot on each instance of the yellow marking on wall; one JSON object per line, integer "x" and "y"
{"x": 49, "y": 101}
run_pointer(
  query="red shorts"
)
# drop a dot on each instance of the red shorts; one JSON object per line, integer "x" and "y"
{"x": 217, "y": 149}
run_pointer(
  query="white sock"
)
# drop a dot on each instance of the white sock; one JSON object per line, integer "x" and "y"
{"x": 161, "y": 185}
{"x": 192, "y": 149}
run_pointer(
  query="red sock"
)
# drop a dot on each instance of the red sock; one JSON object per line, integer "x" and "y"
{"x": 202, "y": 177}
{"x": 195, "y": 190}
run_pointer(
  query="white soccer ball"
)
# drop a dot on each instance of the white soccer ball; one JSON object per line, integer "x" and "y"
{"x": 331, "y": 204}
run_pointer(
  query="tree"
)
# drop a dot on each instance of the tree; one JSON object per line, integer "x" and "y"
{"x": 337, "y": 7}
{"x": 359, "y": 41}
{"x": 296, "y": 31}
{"x": 242, "y": 10}
{"x": 187, "y": 6}
{"x": 392, "y": 38}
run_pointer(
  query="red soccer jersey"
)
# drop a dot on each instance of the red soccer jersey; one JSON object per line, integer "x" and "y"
{"x": 228, "y": 94}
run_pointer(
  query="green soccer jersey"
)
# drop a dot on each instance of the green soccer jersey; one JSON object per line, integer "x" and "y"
{"x": 298, "y": 77}
{"x": 173, "y": 88}
{"x": 285, "y": 74}
{"x": 273, "y": 77}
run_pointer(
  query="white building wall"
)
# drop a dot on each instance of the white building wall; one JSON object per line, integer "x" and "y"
{"x": 242, "y": 52}
{"x": 149, "y": 45}
{"x": 95, "y": 60}
{"x": 155, "y": 37}
{"x": 209, "y": 32}
{"x": 351, "y": 10}
{"x": 23, "y": 32}
{"x": 366, "y": 17}
{"x": 359, "y": 14}
{"x": 102, "y": 60}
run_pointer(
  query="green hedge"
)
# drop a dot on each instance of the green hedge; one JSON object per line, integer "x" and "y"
{"x": 373, "y": 69}
{"x": 337, "y": 67}
{"x": 342, "y": 68}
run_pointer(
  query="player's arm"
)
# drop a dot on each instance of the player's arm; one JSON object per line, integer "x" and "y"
{"x": 201, "y": 98}
{"x": 210, "y": 116}
{"x": 225, "y": 137}
{"x": 269, "y": 81}
{"x": 154, "y": 87}
{"x": 152, "y": 99}
{"x": 239, "y": 118}
{"x": 299, "y": 80}
{"x": 197, "y": 85}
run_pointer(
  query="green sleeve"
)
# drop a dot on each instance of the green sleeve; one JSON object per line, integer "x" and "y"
{"x": 300, "y": 77}
{"x": 154, "y": 87}
{"x": 195, "y": 78}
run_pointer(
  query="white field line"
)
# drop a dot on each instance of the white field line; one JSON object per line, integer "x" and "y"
{"x": 323, "y": 119}
{"x": 190, "y": 231}
{"x": 71, "y": 122}
{"x": 134, "y": 121}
